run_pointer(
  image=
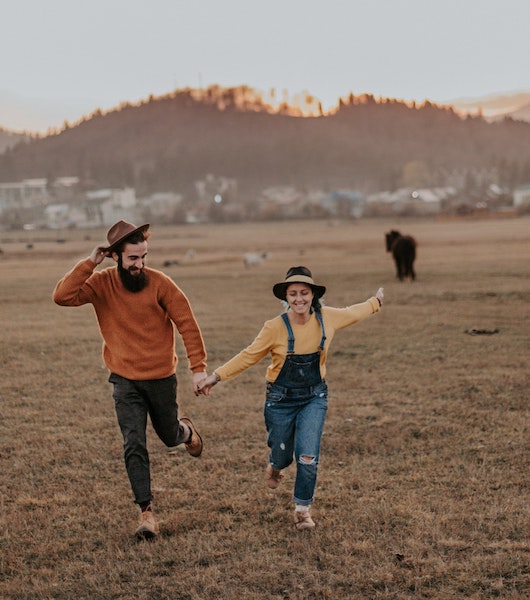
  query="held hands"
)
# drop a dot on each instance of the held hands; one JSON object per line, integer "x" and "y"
{"x": 205, "y": 385}
{"x": 380, "y": 296}
{"x": 197, "y": 379}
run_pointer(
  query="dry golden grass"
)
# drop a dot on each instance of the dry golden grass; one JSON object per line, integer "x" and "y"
{"x": 423, "y": 486}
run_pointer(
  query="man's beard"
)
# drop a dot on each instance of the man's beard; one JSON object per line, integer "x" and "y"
{"x": 132, "y": 283}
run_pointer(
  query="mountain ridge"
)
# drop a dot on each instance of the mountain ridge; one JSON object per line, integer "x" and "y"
{"x": 497, "y": 105}
{"x": 169, "y": 142}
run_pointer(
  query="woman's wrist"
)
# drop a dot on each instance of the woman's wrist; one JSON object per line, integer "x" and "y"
{"x": 217, "y": 378}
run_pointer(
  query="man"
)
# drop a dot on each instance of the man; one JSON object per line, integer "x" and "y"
{"x": 137, "y": 309}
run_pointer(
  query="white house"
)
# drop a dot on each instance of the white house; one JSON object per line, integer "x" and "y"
{"x": 28, "y": 193}
{"x": 106, "y": 206}
{"x": 521, "y": 196}
{"x": 160, "y": 207}
{"x": 99, "y": 208}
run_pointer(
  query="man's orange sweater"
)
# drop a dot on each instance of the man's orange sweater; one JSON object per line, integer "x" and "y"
{"x": 138, "y": 329}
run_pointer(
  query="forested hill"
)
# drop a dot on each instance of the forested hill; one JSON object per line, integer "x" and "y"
{"x": 167, "y": 143}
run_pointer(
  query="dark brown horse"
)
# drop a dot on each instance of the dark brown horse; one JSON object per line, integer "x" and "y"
{"x": 403, "y": 248}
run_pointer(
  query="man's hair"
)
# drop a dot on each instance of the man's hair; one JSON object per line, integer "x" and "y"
{"x": 134, "y": 238}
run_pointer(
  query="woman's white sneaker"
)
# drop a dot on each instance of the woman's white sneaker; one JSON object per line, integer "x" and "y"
{"x": 303, "y": 520}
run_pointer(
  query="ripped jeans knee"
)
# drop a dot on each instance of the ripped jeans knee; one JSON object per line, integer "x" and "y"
{"x": 304, "y": 459}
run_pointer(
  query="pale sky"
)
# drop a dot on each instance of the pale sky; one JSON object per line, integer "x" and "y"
{"x": 62, "y": 59}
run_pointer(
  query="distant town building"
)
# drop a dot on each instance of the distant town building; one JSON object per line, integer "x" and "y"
{"x": 344, "y": 203}
{"x": 521, "y": 196}
{"x": 408, "y": 201}
{"x": 27, "y": 193}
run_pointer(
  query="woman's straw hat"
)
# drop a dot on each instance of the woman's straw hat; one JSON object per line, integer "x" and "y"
{"x": 297, "y": 275}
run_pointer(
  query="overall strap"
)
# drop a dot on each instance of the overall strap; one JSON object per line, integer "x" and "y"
{"x": 290, "y": 334}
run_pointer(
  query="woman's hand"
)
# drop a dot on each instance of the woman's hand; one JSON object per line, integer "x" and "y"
{"x": 206, "y": 385}
{"x": 380, "y": 296}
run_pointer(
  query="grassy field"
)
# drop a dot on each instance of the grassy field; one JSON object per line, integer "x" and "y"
{"x": 424, "y": 478}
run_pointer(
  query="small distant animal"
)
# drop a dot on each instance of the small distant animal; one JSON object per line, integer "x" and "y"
{"x": 475, "y": 331}
{"x": 255, "y": 259}
{"x": 403, "y": 249}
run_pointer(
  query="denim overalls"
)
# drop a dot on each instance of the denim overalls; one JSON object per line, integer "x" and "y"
{"x": 295, "y": 410}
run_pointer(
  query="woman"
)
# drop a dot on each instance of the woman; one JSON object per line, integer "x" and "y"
{"x": 297, "y": 395}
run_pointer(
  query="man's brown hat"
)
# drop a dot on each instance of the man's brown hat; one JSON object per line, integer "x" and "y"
{"x": 119, "y": 232}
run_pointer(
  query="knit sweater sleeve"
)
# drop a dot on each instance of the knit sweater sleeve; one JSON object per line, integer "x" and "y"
{"x": 72, "y": 289}
{"x": 344, "y": 317}
{"x": 180, "y": 312}
{"x": 251, "y": 355}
